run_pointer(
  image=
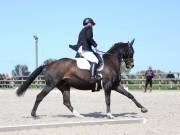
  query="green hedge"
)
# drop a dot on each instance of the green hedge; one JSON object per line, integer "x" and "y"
{"x": 155, "y": 86}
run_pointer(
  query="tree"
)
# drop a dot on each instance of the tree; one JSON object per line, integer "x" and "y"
{"x": 20, "y": 70}
{"x": 48, "y": 61}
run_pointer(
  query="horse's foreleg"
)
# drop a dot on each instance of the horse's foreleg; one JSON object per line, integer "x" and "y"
{"x": 121, "y": 90}
{"x": 108, "y": 103}
{"x": 39, "y": 98}
{"x": 67, "y": 103}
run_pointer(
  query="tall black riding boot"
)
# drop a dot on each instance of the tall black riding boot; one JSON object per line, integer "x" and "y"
{"x": 93, "y": 69}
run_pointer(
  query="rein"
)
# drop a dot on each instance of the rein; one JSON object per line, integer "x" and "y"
{"x": 103, "y": 52}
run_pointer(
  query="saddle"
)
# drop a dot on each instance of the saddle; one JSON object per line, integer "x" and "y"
{"x": 82, "y": 63}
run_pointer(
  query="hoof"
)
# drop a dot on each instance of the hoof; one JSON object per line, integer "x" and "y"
{"x": 76, "y": 114}
{"x": 110, "y": 116}
{"x": 33, "y": 114}
{"x": 144, "y": 110}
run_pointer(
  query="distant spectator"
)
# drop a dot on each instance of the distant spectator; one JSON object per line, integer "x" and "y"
{"x": 149, "y": 74}
{"x": 3, "y": 76}
{"x": 7, "y": 80}
{"x": 1, "y": 79}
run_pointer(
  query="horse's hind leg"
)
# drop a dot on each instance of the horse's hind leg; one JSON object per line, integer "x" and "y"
{"x": 66, "y": 100}
{"x": 39, "y": 98}
{"x": 121, "y": 90}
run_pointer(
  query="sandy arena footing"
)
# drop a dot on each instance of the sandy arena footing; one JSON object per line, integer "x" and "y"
{"x": 163, "y": 115}
{"x": 72, "y": 124}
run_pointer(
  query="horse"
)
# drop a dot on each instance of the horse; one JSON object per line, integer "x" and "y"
{"x": 64, "y": 74}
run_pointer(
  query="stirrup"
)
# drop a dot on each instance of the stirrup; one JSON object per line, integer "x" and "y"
{"x": 93, "y": 79}
{"x": 96, "y": 78}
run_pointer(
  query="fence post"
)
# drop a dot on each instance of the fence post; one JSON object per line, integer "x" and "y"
{"x": 142, "y": 82}
{"x": 159, "y": 78}
{"x": 177, "y": 84}
{"x": 127, "y": 83}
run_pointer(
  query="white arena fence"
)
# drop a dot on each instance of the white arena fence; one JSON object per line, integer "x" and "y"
{"x": 132, "y": 81}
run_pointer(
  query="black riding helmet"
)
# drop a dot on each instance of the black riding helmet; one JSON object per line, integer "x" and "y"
{"x": 88, "y": 20}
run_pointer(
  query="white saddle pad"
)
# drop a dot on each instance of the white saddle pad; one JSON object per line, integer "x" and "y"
{"x": 82, "y": 63}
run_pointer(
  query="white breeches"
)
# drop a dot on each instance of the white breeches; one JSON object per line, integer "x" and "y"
{"x": 88, "y": 55}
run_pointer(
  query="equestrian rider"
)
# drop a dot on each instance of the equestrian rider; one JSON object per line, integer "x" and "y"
{"x": 86, "y": 41}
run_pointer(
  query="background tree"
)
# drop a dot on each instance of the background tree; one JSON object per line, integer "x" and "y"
{"x": 48, "y": 61}
{"x": 20, "y": 70}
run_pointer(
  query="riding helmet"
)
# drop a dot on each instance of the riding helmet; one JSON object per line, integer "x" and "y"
{"x": 88, "y": 20}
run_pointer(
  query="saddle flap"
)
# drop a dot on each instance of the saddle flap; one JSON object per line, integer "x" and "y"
{"x": 82, "y": 63}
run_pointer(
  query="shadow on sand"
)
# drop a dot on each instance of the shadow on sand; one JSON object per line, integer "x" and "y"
{"x": 90, "y": 115}
{"x": 100, "y": 115}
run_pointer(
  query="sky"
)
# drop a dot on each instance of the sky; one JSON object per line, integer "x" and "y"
{"x": 154, "y": 24}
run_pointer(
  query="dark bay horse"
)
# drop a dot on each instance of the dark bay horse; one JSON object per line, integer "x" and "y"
{"x": 64, "y": 74}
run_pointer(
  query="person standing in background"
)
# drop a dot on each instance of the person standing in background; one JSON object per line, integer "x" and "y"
{"x": 149, "y": 74}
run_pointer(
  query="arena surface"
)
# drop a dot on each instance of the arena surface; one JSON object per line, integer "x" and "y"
{"x": 163, "y": 116}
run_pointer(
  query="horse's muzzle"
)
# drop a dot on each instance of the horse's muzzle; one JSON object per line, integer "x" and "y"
{"x": 131, "y": 65}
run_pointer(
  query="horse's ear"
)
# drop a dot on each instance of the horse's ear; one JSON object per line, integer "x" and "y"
{"x": 132, "y": 42}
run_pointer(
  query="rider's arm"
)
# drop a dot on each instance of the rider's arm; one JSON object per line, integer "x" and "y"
{"x": 90, "y": 36}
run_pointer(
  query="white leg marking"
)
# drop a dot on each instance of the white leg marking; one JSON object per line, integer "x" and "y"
{"x": 77, "y": 114}
{"x": 110, "y": 116}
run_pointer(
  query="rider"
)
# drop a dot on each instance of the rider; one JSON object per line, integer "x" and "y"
{"x": 86, "y": 41}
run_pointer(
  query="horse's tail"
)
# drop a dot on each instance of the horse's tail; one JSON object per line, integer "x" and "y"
{"x": 22, "y": 89}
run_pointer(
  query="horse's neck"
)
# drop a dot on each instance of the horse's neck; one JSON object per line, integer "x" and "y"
{"x": 114, "y": 55}
{"x": 113, "y": 59}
